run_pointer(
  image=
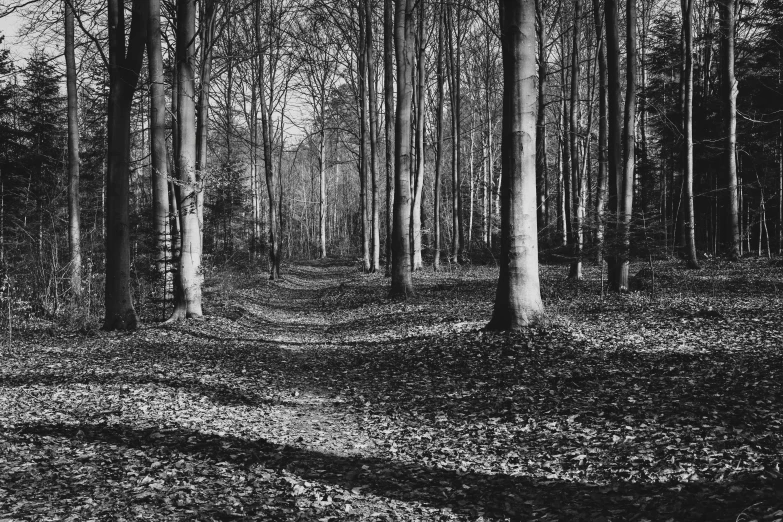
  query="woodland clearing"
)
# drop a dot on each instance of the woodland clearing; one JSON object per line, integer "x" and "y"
{"x": 318, "y": 398}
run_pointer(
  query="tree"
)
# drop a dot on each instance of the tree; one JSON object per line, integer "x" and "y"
{"x": 731, "y": 236}
{"x": 687, "y": 87}
{"x": 74, "y": 214}
{"x": 518, "y": 298}
{"x": 187, "y": 286}
{"x": 158, "y": 153}
{"x": 124, "y": 67}
{"x": 402, "y": 283}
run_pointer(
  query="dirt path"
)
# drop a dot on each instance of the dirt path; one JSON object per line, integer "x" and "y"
{"x": 317, "y": 398}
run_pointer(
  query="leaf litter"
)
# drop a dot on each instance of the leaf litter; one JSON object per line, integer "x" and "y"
{"x": 318, "y": 398}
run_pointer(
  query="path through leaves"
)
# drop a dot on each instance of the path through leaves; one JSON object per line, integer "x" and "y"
{"x": 317, "y": 398}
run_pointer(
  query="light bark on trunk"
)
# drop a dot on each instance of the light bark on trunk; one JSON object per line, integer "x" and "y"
{"x": 619, "y": 277}
{"x": 454, "y": 60}
{"x": 418, "y": 191}
{"x": 575, "y": 272}
{"x": 729, "y": 94}
{"x": 158, "y": 152}
{"x": 601, "y": 188}
{"x": 689, "y": 221}
{"x": 207, "y": 22}
{"x": 401, "y": 281}
{"x": 361, "y": 55}
{"x": 375, "y": 261}
{"x": 187, "y": 287}
{"x": 388, "y": 124}
{"x": 124, "y": 67}
{"x": 74, "y": 209}
{"x": 614, "y": 116}
{"x": 439, "y": 146}
{"x": 541, "y": 166}
{"x": 518, "y": 298}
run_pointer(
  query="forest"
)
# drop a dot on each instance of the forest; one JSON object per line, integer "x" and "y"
{"x": 391, "y": 260}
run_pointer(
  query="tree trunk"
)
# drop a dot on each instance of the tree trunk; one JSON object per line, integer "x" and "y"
{"x": 124, "y": 68}
{"x": 729, "y": 94}
{"x": 439, "y": 145}
{"x": 322, "y": 192}
{"x": 619, "y": 277}
{"x": 158, "y": 152}
{"x": 361, "y": 54}
{"x": 418, "y": 190}
{"x": 187, "y": 287}
{"x": 600, "y": 197}
{"x": 687, "y": 81}
{"x": 202, "y": 108}
{"x": 373, "y": 114}
{"x": 388, "y": 102}
{"x": 402, "y": 283}
{"x": 458, "y": 242}
{"x": 614, "y": 112}
{"x": 575, "y": 271}
{"x": 518, "y": 298}
{"x": 74, "y": 231}
{"x": 541, "y": 166}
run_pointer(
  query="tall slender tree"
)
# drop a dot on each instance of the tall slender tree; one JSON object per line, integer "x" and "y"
{"x": 687, "y": 87}
{"x": 729, "y": 90}
{"x": 74, "y": 209}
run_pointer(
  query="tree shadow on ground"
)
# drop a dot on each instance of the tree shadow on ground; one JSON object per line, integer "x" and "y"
{"x": 466, "y": 493}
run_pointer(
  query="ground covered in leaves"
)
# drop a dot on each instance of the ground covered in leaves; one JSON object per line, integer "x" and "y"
{"x": 318, "y": 398}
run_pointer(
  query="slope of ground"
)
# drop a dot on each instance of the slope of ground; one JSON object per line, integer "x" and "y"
{"x": 318, "y": 398}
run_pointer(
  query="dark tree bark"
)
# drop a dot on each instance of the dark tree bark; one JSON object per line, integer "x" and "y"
{"x": 124, "y": 67}
{"x": 402, "y": 283}
{"x": 454, "y": 62}
{"x": 518, "y": 298}
{"x": 361, "y": 55}
{"x": 74, "y": 209}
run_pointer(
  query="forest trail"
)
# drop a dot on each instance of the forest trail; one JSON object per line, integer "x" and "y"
{"x": 318, "y": 398}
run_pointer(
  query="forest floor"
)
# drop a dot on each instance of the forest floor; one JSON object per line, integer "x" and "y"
{"x": 318, "y": 398}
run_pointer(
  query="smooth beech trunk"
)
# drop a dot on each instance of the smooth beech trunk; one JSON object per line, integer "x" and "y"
{"x": 575, "y": 271}
{"x": 322, "y": 188}
{"x": 207, "y": 22}
{"x": 618, "y": 278}
{"x": 687, "y": 86}
{"x": 518, "y": 299}
{"x": 455, "y": 80}
{"x": 401, "y": 281}
{"x": 418, "y": 189}
{"x": 74, "y": 209}
{"x": 124, "y": 67}
{"x": 601, "y": 188}
{"x": 439, "y": 145}
{"x": 729, "y": 90}
{"x": 614, "y": 117}
{"x": 388, "y": 123}
{"x": 158, "y": 153}
{"x": 361, "y": 55}
{"x": 541, "y": 166}
{"x": 375, "y": 218}
{"x": 187, "y": 287}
